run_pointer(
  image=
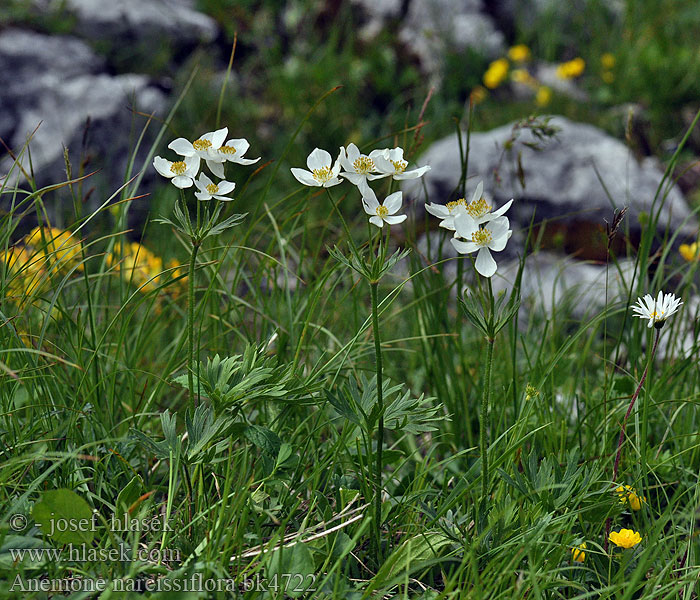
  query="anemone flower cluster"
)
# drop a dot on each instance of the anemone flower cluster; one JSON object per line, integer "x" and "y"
{"x": 477, "y": 227}
{"x": 359, "y": 169}
{"x": 215, "y": 151}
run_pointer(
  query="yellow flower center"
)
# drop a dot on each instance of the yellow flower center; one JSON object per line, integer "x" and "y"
{"x": 212, "y": 188}
{"x": 657, "y": 315}
{"x": 201, "y": 144}
{"x": 323, "y": 174}
{"x": 482, "y": 237}
{"x": 399, "y": 165}
{"x": 228, "y": 149}
{"x": 382, "y": 211}
{"x": 363, "y": 165}
{"x": 478, "y": 208}
{"x": 178, "y": 167}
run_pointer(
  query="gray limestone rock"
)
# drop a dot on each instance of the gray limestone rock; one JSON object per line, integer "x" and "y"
{"x": 577, "y": 177}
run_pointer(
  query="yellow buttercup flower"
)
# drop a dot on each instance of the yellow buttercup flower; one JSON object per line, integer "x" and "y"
{"x": 607, "y": 60}
{"x": 543, "y": 96}
{"x": 519, "y": 53}
{"x": 57, "y": 245}
{"x": 571, "y": 69}
{"x": 625, "y": 538}
{"x": 26, "y": 273}
{"x": 496, "y": 73}
{"x": 629, "y": 496}
{"x": 578, "y": 554}
{"x": 690, "y": 252}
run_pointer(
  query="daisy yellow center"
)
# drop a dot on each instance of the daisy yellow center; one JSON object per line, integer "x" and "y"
{"x": 657, "y": 315}
{"x": 399, "y": 165}
{"x": 363, "y": 165}
{"x": 201, "y": 144}
{"x": 382, "y": 211}
{"x": 482, "y": 237}
{"x": 212, "y": 188}
{"x": 323, "y": 174}
{"x": 179, "y": 167}
{"x": 478, "y": 208}
{"x": 228, "y": 149}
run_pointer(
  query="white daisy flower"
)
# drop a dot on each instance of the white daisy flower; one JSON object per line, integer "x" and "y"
{"x": 322, "y": 171}
{"x": 391, "y": 162}
{"x": 657, "y": 311}
{"x": 492, "y": 236}
{"x": 206, "y": 147}
{"x": 383, "y": 213}
{"x": 208, "y": 189}
{"x": 232, "y": 151}
{"x": 357, "y": 167}
{"x": 181, "y": 172}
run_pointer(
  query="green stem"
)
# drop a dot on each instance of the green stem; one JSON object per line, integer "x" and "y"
{"x": 190, "y": 322}
{"x": 380, "y": 430}
{"x": 484, "y": 420}
{"x": 486, "y": 399}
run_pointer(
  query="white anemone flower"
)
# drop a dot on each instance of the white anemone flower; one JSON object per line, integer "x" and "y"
{"x": 447, "y": 212}
{"x": 478, "y": 209}
{"x": 206, "y": 147}
{"x": 383, "y": 213}
{"x": 391, "y": 162}
{"x": 232, "y": 151}
{"x": 181, "y": 172}
{"x": 357, "y": 167}
{"x": 657, "y": 311}
{"x": 208, "y": 189}
{"x": 492, "y": 236}
{"x": 322, "y": 171}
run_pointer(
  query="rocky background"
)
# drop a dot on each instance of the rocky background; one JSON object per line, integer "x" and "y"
{"x": 92, "y": 76}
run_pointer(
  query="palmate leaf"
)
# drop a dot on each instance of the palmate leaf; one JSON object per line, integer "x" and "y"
{"x": 357, "y": 402}
{"x": 231, "y": 381}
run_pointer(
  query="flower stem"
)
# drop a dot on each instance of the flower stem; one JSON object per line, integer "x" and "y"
{"x": 623, "y": 427}
{"x": 380, "y": 429}
{"x": 486, "y": 398}
{"x": 629, "y": 409}
{"x": 190, "y": 322}
{"x": 484, "y": 420}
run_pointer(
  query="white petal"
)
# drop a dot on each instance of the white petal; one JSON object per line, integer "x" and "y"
{"x": 448, "y": 223}
{"x": 484, "y": 263}
{"x": 203, "y": 180}
{"x": 393, "y": 203}
{"x": 478, "y": 192}
{"x": 240, "y": 144}
{"x": 304, "y": 177}
{"x": 465, "y": 225}
{"x": 352, "y": 153}
{"x": 395, "y": 220}
{"x": 376, "y": 221}
{"x": 395, "y": 154}
{"x": 503, "y": 209}
{"x": 415, "y": 173}
{"x": 192, "y": 164}
{"x": 332, "y": 182}
{"x": 226, "y": 187}
{"x": 202, "y": 195}
{"x": 318, "y": 159}
{"x": 373, "y": 176}
{"x": 383, "y": 153}
{"x": 182, "y": 146}
{"x": 437, "y": 210}
{"x": 163, "y": 167}
{"x": 218, "y": 137}
{"x": 222, "y": 198}
{"x": 216, "y": 167}
{"x": 370, "y": 199}
{"x": 464, "y": 247}
{"x": 182, "y": 182}
{"x": 245, "y": 161}
{"x": 354, "y": 178}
